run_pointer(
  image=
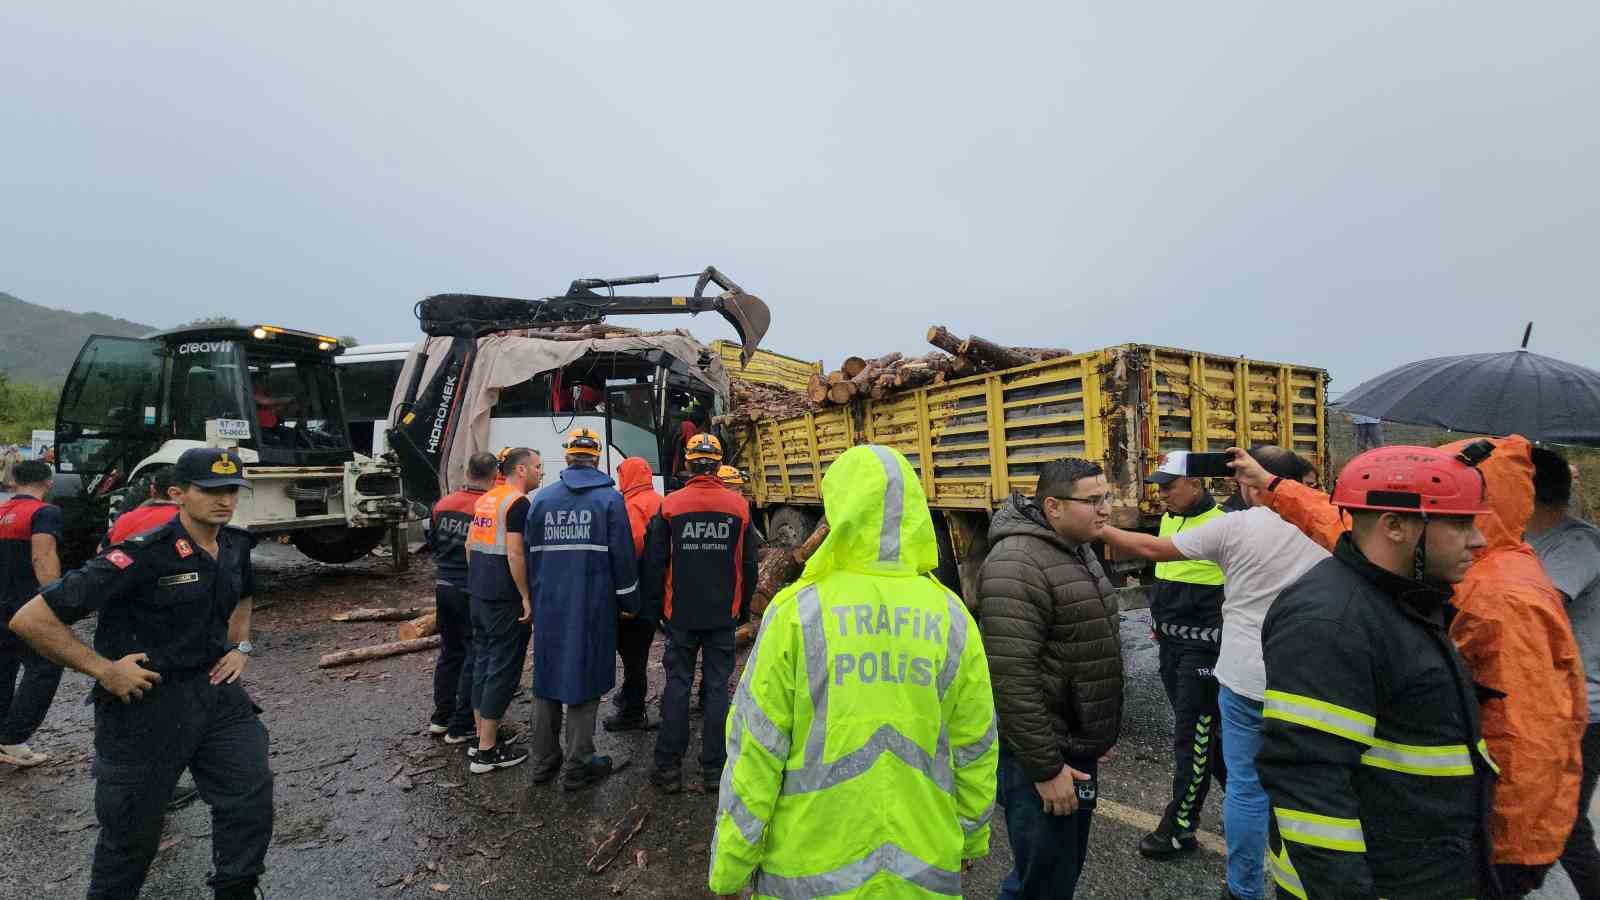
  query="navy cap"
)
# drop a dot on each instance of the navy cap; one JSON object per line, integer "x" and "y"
{"x": 209, "y": 467}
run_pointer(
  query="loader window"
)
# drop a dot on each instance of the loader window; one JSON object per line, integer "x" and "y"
{"x": 297, "y": 406}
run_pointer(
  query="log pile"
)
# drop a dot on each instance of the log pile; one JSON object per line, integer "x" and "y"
{"x": 776, "y": 569}
{"x": 753, "y": 400}
{"x": 956, "y": 357}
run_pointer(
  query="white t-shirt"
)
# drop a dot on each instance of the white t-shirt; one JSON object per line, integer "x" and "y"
{"x": 1261, "y": 555}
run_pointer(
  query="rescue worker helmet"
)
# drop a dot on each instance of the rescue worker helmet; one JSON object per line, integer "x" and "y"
{"x": 583, "y": 442}
{"x": 1422, "y": 480}
{"x": 731, "y": 476}
{"x": 703, "y": 446}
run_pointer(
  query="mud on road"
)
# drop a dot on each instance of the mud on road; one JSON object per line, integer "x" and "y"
{"x": 369, "y": 805}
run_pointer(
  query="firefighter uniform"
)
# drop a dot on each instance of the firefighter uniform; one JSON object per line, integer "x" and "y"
{"x": 699, "y": 572}
{"x": 862, "y": 743}
{"x": 1186, "y": 609}
{"x": 160, "y": 594}
{"x": 1379, "y": 780}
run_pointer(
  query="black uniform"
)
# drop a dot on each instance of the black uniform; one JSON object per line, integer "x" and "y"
{"x": 1371, "y": 753}
{"x": 160, "y": 594}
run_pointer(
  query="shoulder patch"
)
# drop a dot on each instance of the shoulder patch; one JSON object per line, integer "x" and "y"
{"x": 185, "y": 549}
{"x": 119, "y": 559}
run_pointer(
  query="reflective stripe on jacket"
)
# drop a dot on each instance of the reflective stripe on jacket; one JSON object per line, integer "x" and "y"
{"x": 861, "y": 743}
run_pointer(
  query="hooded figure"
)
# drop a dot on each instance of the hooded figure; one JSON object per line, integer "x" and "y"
{"x": 637, "y": 484}
{"x": 861, "y": 742}
{"x": 1512, "y": 630}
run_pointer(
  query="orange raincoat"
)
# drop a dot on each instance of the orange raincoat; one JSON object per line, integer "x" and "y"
{"x": 1512, "y": 629}
{"x": 633, "y": 480}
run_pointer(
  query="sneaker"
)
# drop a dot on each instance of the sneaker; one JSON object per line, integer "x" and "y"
{"x": 497, "y": 757}
{"x": 668, "y": 781}
{"x": 438, "y": 724}
{"x": 620, "y": 722}
{"x": 22, "y": 756}
{"x": 594, "y": 773}
{"x": 451, "y": 737}
{"x": 1163, "y": 844}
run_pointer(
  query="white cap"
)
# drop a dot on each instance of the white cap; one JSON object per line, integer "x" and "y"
{"x": 1173, "y": 466}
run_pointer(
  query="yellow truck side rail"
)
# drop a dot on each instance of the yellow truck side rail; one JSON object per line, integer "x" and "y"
{"x": 976, "y": 440}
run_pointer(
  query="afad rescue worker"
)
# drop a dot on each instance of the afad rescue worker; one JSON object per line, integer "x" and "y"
{"x": 861, "y": 744}
{"x": 164, "y": 699}
{"x": 1371, "y": 752}
{"x": 30, "y": 538}
{"x": 584, "y": 574}
{"x": 156, "y": 508}
{"x": 1186, "y": 609}
{"x": 697, "y": 576}
{"x": 447, "y": 540}
{"x": 497, "y": 580}
{"x": 1509, "y": 623}
{"x": 636, "y": 634}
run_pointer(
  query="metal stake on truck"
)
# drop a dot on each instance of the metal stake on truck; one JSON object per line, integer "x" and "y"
{"x": 131, "y": 406}
{"x": 976, "y": 440}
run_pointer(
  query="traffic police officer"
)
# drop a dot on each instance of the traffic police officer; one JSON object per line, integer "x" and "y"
{"x": 167, "y": 695}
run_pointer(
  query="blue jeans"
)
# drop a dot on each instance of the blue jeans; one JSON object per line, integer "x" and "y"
{"x": 1047, "y": 851}
{"x": 1245, "y": 808}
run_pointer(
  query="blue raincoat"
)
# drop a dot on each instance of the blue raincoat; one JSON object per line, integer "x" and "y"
{"x": 581, "y": 571}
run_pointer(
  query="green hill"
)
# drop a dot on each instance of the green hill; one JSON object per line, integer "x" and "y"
{"x": 38, "y": 344}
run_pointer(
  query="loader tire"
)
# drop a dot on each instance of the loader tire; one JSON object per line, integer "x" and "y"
{"x": 336, "y": 544}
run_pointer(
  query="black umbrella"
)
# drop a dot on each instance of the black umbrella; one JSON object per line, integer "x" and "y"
{"x": 1520, "y": 392}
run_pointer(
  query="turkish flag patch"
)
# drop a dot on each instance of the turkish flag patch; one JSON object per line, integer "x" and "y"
{"x": 119, "y": 559}
{"x": 184, "y": 549}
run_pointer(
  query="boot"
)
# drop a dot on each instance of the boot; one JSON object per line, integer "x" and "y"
{"x": 1166, "y": 843}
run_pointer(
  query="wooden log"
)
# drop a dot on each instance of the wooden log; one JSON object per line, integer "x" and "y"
{"x": 817, "y": 389}
{"x": 818, "y": 535}
{"x": 940, "y": 337}
{"x": 914, "y": 376}
{"x": 883, "y": 387}
{"x": 991, "y": 354}
{"x": 1040, "y": 354}
{"x": 626, "y": 829}
{"x": 384, "y": 614}
{"x": 852, "y": 366}
{"x": 836, "y": 376}
{"x": 745, "y": 633}
{"x": 775, "y": 568}
{"x": 840, "y": 393}
{"x": 377, "y": 651}
{"x": 419, "y": 627}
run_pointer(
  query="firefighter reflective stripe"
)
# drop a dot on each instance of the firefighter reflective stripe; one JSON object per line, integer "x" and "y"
{"x": 1284, "y": 874}
{"x": 557, "y": 548}
{"x": 1320, "y": 831}
{"x": 894, "y": 502}
{"x": 849, "y": 877}
{"x": 628, "y": 590}
{"x": 1320, "y": 715}
{"x": 1449, "y": 760}
{"x": 1483, "y": 751}
{"x": 817, "y": 775}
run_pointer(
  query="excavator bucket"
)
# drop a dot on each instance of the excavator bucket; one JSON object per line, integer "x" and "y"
{"x": 749, "y": 316}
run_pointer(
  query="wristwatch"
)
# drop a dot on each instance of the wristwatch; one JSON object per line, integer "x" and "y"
{"x": 244, "y": 647}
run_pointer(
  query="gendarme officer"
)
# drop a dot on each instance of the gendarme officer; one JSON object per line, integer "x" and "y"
{"x": 167, "y": 695}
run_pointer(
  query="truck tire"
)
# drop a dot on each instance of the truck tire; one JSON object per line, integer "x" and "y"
{"x": 337, "y": 544}
{"x": 789, "y": 526}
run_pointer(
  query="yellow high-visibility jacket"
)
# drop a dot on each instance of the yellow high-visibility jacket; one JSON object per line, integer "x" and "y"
{"x": 861, "y": 743}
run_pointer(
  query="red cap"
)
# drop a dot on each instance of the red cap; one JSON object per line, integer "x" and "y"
{"x": 1422, "y": 480}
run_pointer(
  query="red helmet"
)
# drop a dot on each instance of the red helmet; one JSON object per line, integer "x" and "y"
{"x": 1421, "y": 480}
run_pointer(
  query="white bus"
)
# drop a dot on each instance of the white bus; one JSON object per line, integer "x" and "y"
{"x": 367, "y": 375}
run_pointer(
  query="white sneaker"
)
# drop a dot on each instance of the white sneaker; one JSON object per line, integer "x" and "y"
{"x": 22, "y": 756}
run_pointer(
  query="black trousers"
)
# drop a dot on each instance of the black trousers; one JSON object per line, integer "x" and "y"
{"x": 714, "y": 647}
{"x": 634, "y": 637}
{"x": 500, "y": 649}
{"x": 142, "y": 747}
{"x": 1187, "y": 674}
{"x": 24, "y": 702}
{"x": 452, "y": 674}
{"x": 1581, "y": 859}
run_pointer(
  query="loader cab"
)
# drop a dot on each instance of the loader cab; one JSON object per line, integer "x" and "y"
{"x": 272, "y": 392}
{"x": 637, "y": 400}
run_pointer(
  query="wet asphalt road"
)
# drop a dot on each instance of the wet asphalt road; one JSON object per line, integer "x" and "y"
{"x": 368, "y": 805}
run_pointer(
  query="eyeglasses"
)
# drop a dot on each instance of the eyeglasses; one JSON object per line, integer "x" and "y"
{"x": 1096, "y": 501}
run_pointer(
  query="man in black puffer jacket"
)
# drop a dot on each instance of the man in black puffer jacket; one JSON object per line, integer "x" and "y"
{"x": 1049, "y": 625}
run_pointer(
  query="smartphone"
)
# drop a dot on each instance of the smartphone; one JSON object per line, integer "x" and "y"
{"x": 1209, "y": 465}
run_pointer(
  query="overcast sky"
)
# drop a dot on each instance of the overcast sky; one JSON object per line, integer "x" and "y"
{"x": 1352, "y": 185}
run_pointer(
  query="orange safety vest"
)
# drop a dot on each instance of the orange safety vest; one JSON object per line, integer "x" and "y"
{"x": 488, "y": 531}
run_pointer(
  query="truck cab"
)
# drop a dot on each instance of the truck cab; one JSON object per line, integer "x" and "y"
{"x": 133, "y": 405}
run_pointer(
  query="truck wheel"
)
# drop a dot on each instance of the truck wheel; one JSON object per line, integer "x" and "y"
{"x": 789, "y": 526}
{"x": 336, "y": 543}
